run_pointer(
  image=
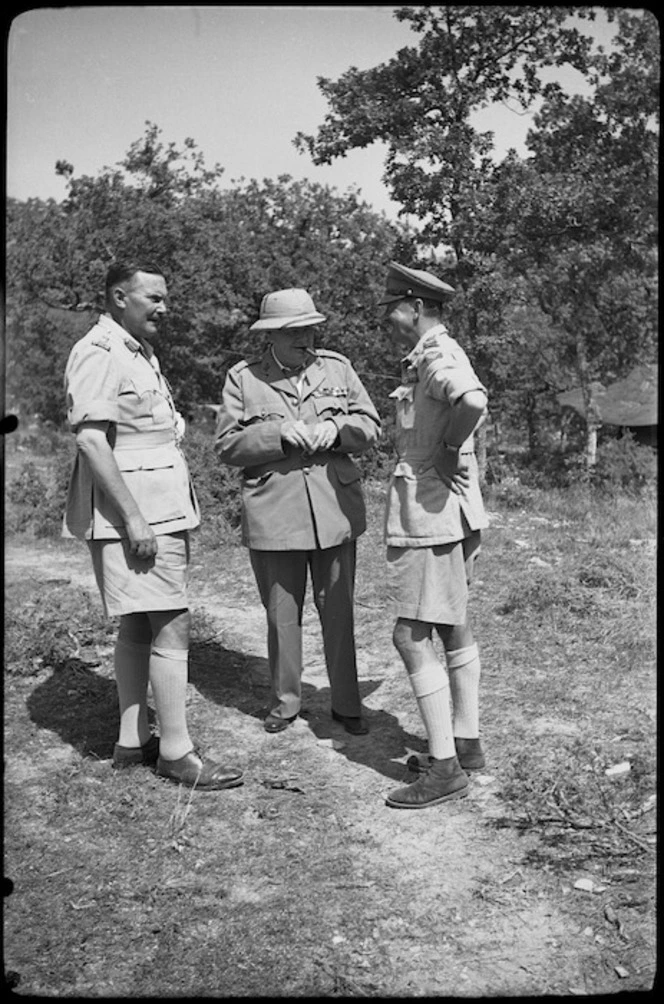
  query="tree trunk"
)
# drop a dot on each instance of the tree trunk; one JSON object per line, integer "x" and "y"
{"x": 591, "y": 446}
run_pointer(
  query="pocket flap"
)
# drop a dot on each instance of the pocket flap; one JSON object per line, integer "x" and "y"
{"x": 154, "y": 459}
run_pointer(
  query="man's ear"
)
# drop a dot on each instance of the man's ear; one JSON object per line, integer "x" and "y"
{"x": 118, "y": 296}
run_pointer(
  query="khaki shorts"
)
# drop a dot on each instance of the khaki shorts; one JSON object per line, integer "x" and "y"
{"x": 130, "y": 585}
{"x": 431, "y": 584}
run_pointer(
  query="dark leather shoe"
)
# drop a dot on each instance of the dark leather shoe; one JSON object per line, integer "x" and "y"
{"x": 356, "y": 726}
{"x": 199, "y": 772}
{"x": 275, "y": 724}
{"x": 136, "y": 756}
{"x": 444, "y": 781}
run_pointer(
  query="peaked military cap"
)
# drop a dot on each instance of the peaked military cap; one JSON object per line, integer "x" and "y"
{"x": 402, "y": 282}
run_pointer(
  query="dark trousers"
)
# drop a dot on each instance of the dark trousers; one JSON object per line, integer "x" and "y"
{"x": 281, "y": 577}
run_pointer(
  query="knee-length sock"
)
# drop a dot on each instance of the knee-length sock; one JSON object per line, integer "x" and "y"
{"x": 431, "y": 690}
{"x": 463, "y": 667}
{"x": 168, "y": 677}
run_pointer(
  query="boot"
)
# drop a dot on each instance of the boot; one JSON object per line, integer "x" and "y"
{"x": 443, "y": 781}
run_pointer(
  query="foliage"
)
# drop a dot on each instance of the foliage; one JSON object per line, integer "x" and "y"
{"x": 36, "y": 494}
{"x": 221, "y": 251}
{"x": 48, "y": 628}
{"x": 556, "y": 267}
{"x": 553, "y": 256}
{"x": 217, "y": 488}
{"x": 624, "y": 465}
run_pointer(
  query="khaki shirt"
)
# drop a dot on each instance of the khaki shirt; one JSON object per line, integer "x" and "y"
{"x": 292, "y": 501}
{"x": 109, "y": 378}
{"x": 420, "y": 510}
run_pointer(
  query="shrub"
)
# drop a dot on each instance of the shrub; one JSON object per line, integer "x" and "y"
{"x": 217, "y": 487}
{"x": 623, "y": 464}
{"x": 36, "y": 497}
{"x": 47, "y": 626}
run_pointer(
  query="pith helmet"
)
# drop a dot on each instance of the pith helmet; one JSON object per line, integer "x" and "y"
{"x": 402, "y": 281}
{"x": 287, "y": 308}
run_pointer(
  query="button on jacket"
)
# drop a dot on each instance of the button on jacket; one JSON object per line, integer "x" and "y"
{"x": 109, "y": 378}
{"x": 291, "y": 500}
{"x": 421, "y": 511}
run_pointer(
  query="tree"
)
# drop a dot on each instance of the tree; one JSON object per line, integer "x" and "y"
{"x": 578, "y": 219}
{"x": 221, "y": 251}
{"x": 421, "y": 102}
{"x": 567, "y": 233}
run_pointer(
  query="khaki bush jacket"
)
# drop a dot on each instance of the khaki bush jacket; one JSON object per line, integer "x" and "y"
{"x": 108, "y": 378}
{"x": 293, "y": 501}
{"x": 421, "y": 511}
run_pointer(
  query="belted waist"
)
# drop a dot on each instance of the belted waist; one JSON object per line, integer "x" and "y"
{"x": 417, "y": 456}
{"x": 144, "y": 440}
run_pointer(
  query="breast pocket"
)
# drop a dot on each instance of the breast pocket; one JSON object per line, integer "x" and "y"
{"x": 327, "y": 405}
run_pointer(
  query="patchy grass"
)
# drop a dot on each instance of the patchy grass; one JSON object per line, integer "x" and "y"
{"x": 301, "y": 882}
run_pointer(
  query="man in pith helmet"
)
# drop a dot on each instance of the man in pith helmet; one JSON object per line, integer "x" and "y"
{"x": 291, "y": 419}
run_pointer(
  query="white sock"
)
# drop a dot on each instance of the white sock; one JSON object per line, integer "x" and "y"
{"x": 132, "y": 668}
{"x": 168, "y": 676}
{"x": 463, "y": 667}
{"x": 431, "y": 691}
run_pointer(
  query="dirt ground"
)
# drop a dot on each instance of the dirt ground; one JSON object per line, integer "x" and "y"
{"x": 506, "y": 928}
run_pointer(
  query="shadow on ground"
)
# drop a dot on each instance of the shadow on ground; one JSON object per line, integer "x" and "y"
{"x": 81, "y": 706}
{"x": 229, "y": 678}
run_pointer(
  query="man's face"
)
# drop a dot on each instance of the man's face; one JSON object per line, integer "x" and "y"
{"x": 399, "y": 320}
{"x": 291, "y": 344}
{"x": 143, "y": 304}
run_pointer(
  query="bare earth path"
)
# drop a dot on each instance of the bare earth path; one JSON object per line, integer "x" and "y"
{"x": 447, "y": 894}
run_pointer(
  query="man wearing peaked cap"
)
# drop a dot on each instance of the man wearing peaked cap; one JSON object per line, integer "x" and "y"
{"x": 403, "y": 282}
{"x": 291, "y": 420}
{"x": 434, "y": 516}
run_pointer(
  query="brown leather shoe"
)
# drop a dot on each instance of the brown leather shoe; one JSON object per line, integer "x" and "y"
{"x": 199, "y": 772}
{"x": 275, "y": 724}
{"x": 136, "y": 756}
{"x": 355, "y": 726}
{"x": 444, "y": 781}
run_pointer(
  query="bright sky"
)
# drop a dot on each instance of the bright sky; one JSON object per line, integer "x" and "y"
{"x": 239, "y": 80}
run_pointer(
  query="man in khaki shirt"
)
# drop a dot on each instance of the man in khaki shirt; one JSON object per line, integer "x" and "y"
{"x": 131, "y": 499}
{"x": 434, "y": 516}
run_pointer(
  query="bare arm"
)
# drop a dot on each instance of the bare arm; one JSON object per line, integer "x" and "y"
{"x": 92, "y": 442}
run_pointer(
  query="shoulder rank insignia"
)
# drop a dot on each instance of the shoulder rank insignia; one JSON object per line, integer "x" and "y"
{"x": 102, "y": 340}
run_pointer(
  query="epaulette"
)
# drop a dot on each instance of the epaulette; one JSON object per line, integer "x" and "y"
{"x": 102, "y": 340}
{"x": 330, "y": 354}
{"x": 430, "y": 342}
{"x": 246, "y": 364}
